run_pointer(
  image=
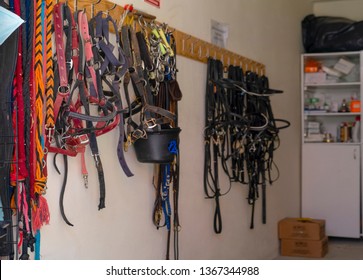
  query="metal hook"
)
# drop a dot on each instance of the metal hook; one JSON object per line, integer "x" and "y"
{"x": 240, "y": 62}
{"x": 200, "y": 52}
{"x": 93, "y": 8}
{"x": 152, "y": 24}
{"x": 252, "y": 66}
{"x": 183, "y": 43}
{"x": 192, "y": 48}
{"x": 114, "y": 7}
{"x": 261, "y": 69}
{"x": 143, "y": 23}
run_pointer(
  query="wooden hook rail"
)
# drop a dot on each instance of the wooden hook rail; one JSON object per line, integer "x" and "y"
{"x": 197, "y": 49}
{"x": 187, "y": 45}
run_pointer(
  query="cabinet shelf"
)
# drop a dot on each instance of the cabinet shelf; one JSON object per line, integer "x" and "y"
{"x": 334, "y": 55}
{"x": 332, "y": 143}
{"x": 333, "y": 85}
{"x": 328, "y": 114}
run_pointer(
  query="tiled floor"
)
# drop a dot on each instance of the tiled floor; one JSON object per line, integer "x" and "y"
{"x": 339, "y": 249}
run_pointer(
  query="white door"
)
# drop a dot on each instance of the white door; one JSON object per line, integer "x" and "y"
{"x": 331, "y": 187}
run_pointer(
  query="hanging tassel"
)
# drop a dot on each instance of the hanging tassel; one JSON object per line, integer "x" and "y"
{"x": 40, "y": 214}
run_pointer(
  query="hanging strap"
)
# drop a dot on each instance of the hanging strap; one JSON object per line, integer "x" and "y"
{"x": 211, "y": 179}
{"x": 86, "y": 41}
{"x": 41, "y": 214}
{"x": 49, "y": 87}
{"x": 63, "y": 90}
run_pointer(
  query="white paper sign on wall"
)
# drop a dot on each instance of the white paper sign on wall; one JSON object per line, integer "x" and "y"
{"x": 219, "y": 32}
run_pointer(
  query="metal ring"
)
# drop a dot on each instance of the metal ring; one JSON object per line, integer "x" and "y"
{"x": 63, "y": 89}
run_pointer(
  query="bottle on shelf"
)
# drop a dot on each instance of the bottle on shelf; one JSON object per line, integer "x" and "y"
{"x": 356, "y": 130}
{"x": 344, "y": 107}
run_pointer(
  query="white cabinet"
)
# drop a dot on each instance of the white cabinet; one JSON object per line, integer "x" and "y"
{"x": 331, "y": 187}
{"x": 331, "y": 142}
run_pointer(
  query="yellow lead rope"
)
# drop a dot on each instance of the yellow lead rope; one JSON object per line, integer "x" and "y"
{"x": 40, "y": 207}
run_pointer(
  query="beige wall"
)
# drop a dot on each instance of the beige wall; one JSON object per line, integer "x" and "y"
{"x": 351, "y": 9}
{"x": 264, "y": 30}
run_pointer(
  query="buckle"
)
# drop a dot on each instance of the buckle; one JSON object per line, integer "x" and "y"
{"x": 91, "y": 62}
{"x": 83, "y": 139}
{"x": 151, "y": 123}
{"x": 98, "y": 38}
{"x": 138, "y": 133}
{"x": 76, "y": 141}
{"x": 75, "y": 52}
{"x": 50, "y": 133}
{"x": 97, "y": 65}
{"x": 63, "y": 89}
{"x": 79, "y": 76}
{"x": 70, "y": 63}
{"x": 97, "y": 159}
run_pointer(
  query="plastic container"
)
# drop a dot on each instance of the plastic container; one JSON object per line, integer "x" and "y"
{"x": 158, "y": 147}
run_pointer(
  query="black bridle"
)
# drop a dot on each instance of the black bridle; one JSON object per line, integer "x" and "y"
{"x": 240, "y": 134}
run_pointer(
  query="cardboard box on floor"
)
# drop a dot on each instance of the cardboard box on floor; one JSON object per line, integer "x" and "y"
{"x": 304, "y": 248}
{"x": 301, "y": 228}
{"x": 303, "y": 237}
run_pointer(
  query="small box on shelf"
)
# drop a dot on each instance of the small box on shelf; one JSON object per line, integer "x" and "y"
{"x": 355, "y": 106}
{"x": 318, "y": 137}
{"x": 315, "y": 78}
{"x": 344, "y": 66}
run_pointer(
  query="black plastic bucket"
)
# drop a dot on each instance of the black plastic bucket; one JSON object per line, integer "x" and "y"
{"x": 159, "y": 146}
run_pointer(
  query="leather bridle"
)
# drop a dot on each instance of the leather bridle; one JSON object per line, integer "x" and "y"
{"x": 240, "y": 134}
